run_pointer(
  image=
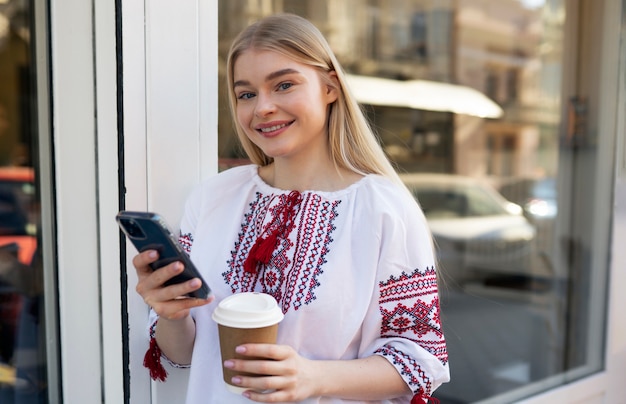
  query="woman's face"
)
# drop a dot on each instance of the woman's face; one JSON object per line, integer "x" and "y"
{"x": 282, "y": 105}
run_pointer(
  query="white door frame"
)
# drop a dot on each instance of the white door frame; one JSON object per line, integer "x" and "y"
{"x": 84, "y": 136}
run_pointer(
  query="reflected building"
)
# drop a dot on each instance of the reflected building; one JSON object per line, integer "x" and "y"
{"x": 16, "y": 123}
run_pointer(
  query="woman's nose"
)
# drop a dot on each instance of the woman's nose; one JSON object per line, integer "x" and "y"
{"x": 264, "y": 105}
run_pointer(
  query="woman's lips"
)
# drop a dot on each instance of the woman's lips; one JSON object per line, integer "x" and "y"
{"x": 273, "y": 129}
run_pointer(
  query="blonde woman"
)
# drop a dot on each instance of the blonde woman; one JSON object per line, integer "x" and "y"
{"x": 320, "y": 221}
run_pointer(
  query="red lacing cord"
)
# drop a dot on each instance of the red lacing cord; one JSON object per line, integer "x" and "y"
{"x": 264, "y": 246}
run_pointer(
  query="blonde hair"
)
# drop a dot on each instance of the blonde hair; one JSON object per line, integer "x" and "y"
{"x": 353, "y": 145}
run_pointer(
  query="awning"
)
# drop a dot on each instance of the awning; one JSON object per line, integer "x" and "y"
{"x": 423, "y": 94}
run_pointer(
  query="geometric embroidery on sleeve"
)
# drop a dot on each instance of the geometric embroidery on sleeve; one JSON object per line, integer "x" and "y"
{"x": 409, "y": 306}
{"x": 408, "y": 368}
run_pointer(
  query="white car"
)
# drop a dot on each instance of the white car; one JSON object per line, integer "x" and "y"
{"x": 479, "y": 234}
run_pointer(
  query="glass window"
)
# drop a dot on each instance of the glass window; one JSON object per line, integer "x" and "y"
{"x": 23, "y": 363}
{"x": 483, "y": 155}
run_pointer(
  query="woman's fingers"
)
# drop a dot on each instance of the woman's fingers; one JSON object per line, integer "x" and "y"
{"x": 283, "y": 375}
{"x": 270, "y": 351}
{"x": 274, "y": 359}
{"x": 156, "y": 278}
{"x": 150, "y": 279}
{"x": 142, "y": 261}
{"x": 167, "y": 301}
{"x": 170, "y": 301}
{"x": 153, "y": 290}
{"x": 178, "y": 308}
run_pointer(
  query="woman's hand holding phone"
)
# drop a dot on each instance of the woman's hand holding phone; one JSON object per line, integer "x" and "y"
{"x": 168, "y": 301}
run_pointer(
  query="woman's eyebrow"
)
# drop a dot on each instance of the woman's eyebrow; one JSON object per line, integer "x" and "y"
{"x": 279, "y": 73}
{"x": 269, "y": 77}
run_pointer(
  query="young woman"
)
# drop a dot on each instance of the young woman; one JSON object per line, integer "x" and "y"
{"x": 320, "y": 221}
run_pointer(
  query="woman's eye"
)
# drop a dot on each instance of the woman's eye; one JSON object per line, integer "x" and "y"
{"x": 284, "y": 86}
{"x": 245, "y": 96}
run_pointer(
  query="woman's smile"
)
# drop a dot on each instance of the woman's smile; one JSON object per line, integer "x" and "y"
{"x": 272, "y": 129}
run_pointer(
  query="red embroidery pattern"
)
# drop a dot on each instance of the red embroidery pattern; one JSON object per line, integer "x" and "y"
{"x": 186, "y": 241}
{"x": 409, "y": 306}
{"x": 292, "y": 273}
{"x": 411, "y": 371}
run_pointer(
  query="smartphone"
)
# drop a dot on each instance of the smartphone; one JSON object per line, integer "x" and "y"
{"x": 148, "y": 231}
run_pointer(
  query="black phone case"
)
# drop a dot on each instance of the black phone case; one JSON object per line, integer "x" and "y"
{"x": 148, "y": 231}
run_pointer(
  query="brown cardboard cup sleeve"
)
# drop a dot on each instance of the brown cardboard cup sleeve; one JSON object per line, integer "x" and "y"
{"x": 248, "y": 317}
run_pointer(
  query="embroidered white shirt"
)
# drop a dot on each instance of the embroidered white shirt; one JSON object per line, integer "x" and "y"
{"x": 354, "y": 275}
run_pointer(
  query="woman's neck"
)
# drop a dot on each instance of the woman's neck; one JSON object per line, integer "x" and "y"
{"x": 309, "y": 175}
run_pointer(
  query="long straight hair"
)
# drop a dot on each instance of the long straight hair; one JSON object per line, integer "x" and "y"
{"x": 352, "y": 142}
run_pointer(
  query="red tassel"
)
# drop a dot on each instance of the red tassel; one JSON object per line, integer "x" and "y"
{"x": 266, "y": 247}
{"x": 423, "y": 399}
{"x": 263, "y": 248}
{"x": 417, "y": 399}
{"x": 152, "y": 361}
{"x": 261, "y": 252}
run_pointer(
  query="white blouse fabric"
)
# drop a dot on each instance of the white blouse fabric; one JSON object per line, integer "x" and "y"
{"x": 355, "y": 277}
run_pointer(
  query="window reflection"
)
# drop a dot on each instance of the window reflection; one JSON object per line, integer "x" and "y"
{"x": 486, "y": 175}
{"x": 22, "y": 341}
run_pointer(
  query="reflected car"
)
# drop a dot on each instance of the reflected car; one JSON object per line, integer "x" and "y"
{"x": 18, "y": 243}
{"x": 538, "y": 197}
{"x": 17, "y": 213}
{"x": 478, "y": 232}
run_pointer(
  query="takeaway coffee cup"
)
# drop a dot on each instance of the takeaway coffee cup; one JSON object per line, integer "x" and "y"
{"x": 248, "y": 317}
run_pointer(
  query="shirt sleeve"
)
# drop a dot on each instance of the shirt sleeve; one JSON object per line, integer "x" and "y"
{"x": 404, "y": 325}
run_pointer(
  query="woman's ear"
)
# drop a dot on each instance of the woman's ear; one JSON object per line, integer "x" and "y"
{"x": 332, "y": 88}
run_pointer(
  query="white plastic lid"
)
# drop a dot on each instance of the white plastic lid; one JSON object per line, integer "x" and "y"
{"x": 248, "y": 310}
